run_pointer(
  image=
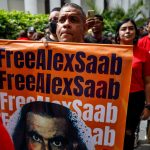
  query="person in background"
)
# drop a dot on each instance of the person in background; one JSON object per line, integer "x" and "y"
{"x": 23, "y": 35}
{"x": 53, "y": 18}
{"x": 30, "y": 32}
{"x": 145, "y": 43}
{"x": 71, "y": 26}
{"x": 145, "y": 27}
{"x": 96, "y": 24}
{"x": 111, "y": 37}
{"x": 5, "y": 140}
{"x": 46, "y": 30}
{"x": 139, "y": 96}
{"x": 142, "y": 31}
{"x": 37, "y": 36}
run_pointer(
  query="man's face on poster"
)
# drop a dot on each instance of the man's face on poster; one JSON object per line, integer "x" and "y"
{"x": 45, "y": 133}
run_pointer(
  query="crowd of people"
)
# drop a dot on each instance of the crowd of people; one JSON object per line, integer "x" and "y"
{"x": 70, "y": 24}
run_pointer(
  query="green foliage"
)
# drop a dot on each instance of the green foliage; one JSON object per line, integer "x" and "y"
{"x": 113, "y": 16}
{"x": 12, "y": 22}
{"x": 91, "y": 4}
{"x": 135, "y": 10}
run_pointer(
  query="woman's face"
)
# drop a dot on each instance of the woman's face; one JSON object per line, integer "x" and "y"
{"x": 127, "y": 33}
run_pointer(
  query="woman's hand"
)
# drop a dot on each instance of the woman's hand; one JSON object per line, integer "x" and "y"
{"x": 145, "y": 114}
{"x": 146, "y": 111}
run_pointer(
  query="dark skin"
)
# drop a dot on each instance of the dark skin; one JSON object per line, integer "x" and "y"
{"x": 96, "y": 26}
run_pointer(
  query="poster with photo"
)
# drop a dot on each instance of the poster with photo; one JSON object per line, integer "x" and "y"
{"x": 64, "y": 95}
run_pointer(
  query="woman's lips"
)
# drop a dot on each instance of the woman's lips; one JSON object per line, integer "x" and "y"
{"x": 127, "y": 36}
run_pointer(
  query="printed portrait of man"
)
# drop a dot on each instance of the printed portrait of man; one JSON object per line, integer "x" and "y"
{"x": 48, "y": 126}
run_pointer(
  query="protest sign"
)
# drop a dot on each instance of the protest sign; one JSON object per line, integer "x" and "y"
{"x": 91, "y": 80}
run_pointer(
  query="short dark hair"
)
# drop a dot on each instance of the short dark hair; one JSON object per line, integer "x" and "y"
{"x": 77, "y": 7}
{"x": 117, "y": 40}
{"x": 100, "y": 17}
{"x": 56, "y": 9}
{"x": 23, "y": 33}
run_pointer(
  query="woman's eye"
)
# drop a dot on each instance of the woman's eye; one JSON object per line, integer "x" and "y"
{"x": 131, "y": 28}
{"x": 123, "y": 29}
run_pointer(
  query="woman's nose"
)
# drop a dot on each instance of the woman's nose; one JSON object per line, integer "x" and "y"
{"x": 127, "y": 30}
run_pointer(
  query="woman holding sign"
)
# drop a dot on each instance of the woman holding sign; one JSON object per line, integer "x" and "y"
{"x": 139, "y": 97}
